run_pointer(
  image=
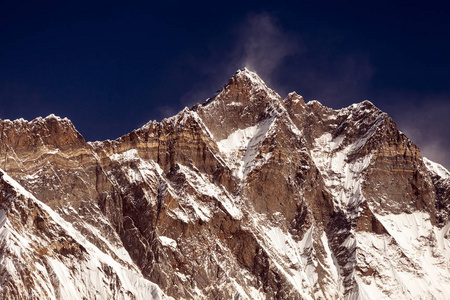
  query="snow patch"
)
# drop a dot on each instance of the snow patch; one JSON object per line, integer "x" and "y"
{"x": 125, "y": 156}
{"x": 343, "y": 179}
{"x": 237, "y": 140}
{"x": 167, "y": 242}
{"x": 436, "y": 168}
{"x": 241, "y": 147}
{"x": 407, "y": 261}
{"x": 299, "y": 263}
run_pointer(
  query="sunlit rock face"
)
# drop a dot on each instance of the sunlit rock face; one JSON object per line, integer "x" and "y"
{"x": 246, "y": 196}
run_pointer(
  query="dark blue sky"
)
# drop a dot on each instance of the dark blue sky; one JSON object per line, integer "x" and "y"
{"x": 111, "y": 67}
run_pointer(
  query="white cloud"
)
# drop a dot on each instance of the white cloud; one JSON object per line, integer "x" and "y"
{"x": 263, "y": 45}
{"x": 258, "y": 43}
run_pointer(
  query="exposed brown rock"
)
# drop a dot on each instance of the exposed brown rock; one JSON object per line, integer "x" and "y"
{"x": 278, "y": 216}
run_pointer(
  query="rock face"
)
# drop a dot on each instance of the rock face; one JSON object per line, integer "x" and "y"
{"x": 246, "y": 196}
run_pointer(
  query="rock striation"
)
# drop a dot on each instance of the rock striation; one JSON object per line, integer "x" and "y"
{"x": 246, "y": 196}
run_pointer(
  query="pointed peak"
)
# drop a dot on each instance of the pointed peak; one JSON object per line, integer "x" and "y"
{"x": 294, "y": 98}
{"x": 293, "y": 95}
{"x": 314, "y": 103}
{"x": 246, "y": 74}
{"x": 243, "y": 70}
{"x": 366, "y": 104}
{"x": 241, "y": 88}
{"x": 181, "y": 114}
{"x": 364, "y": 107}
{"x": 248, "y": 82}
{"x": 52, "y": 116}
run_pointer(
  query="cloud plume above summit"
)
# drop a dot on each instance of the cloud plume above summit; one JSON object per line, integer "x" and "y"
{"x": 263, "y": 45}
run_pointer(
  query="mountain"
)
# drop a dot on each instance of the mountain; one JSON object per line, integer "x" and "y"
{"x": 246, "y": 196}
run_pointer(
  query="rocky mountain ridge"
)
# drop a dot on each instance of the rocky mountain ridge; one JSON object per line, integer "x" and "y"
{"x": 246, "y": 196}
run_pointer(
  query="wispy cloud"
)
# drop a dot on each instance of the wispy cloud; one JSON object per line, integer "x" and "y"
{"x": 263, "y": 45}
{"x": 165, "y": 111}
{"x": 314, "y": 68}
{"x": 259, "y": 43}
{"x": 287, "y": 62}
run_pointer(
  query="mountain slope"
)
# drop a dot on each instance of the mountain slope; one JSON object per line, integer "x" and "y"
{"x": 246, "y": 196}
{"x": 44, "y": 257}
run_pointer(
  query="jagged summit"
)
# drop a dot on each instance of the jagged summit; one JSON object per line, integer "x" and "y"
{"x": 246, "y": 196}
{"x": 241, "y": 103}
{"x": 294, "y": 97}
{"x": 247, "y": 75}
{"x": 38, "y": 119}
{"x": 51, "y": 131}
{"x": 243, "y": 82}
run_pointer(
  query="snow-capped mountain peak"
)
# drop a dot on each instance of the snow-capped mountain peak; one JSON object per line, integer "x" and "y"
{"x": 246, "y": 196}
